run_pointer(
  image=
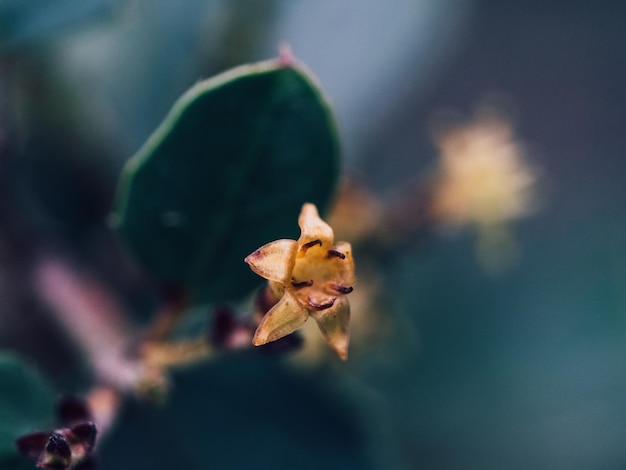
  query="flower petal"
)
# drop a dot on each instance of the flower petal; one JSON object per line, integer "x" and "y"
{"x": 334, "y": 324}
{"x": 275, "y": 260}
{"x": 345, "y": 266}
{"x": 284, "y": 318}
{"x": 312, "y": 227}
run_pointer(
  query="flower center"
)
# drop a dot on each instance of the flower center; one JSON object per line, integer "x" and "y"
{"x": 318, "y": 275}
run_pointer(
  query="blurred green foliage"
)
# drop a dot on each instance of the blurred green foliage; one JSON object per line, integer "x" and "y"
{"x": 26, "y": 405}
{"x": 524, "y": 371}
{"x": 243, "y": 412}
{"x": 225, "y": 173}
{"x": 25, "y": 22}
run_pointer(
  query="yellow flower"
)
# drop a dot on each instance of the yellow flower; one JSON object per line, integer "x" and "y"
{"x": 485, "y": 179}
{"x": 485, "y": 182}
{"x": 311, "y": 277}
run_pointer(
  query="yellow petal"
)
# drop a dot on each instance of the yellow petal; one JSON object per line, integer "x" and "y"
{"x": 285, "y": 317}
{"x": 312, "y": 227}
{"x": 275, "y": 260}
{"x": 345, "y": 267}
{"x": 334, "y": 324}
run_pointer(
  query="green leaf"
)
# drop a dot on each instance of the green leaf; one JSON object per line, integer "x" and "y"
{"x": 242, "y": 412}
{"x": 226, "y": 172}
{"x": 26, "y": 405}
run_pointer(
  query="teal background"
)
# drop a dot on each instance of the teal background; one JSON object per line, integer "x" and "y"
{"x": 526, "y": 369}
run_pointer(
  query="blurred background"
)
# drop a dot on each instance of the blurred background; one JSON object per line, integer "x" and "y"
{"x": 459, "y": 366}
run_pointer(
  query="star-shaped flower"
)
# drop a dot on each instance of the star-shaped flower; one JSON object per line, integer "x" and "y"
{"x": 310, "y": 277}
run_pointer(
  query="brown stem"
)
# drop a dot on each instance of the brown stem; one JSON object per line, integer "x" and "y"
{"x": 176, "y": 302}
{"x": 93, "y": 317}
{"x": 166, "y": 355}
{"x": 104, "y": 404}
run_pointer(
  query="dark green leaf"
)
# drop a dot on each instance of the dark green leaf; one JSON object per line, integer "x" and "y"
{"x": 244, "y": 412}
{"x": 227, "y": 172}
{"x": 26, "y": 405}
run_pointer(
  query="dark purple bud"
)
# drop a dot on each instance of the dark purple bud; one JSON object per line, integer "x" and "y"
{"x": 223, "y": 325}
{"x": 85, "y": 434}
{"x": 264, "y": 300}
{"x": 32, "y": 445}
{"x": 57, "y": 445}
{"x": 58, "y": 454}
{"x": 72, "y": 410}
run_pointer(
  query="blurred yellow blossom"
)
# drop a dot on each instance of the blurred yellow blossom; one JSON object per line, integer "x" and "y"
{"x": 308, "y": 277}
{"x": 484, "y": 180}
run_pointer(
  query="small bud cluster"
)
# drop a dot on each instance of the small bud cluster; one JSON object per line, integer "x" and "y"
{"x": 69, "y": 447}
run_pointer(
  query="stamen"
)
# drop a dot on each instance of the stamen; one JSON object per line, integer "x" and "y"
{"x": 310, "y": 244}
{"x": 298, "y": 285}
{"x": 342, "y": 289}
{"x": 322, "y": 306}
{"x": 336, "y": 254}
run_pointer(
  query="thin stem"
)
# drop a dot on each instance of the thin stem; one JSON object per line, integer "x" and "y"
{"x": 175, "y": 305}
{"x": 93, "y": 317}
{"x": 104, "y": 404}
{"x": 166, "y": 355}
